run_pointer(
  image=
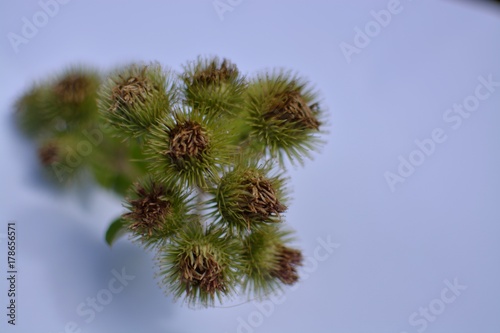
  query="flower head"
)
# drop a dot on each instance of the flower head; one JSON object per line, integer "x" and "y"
{"x": 136, "y": 97}
{"x": 61, "y": 104}
{"x": 71, "y": 98}
{"x": 214, "y": 87}
{"x": 189, "y": 149}
{"x": 268, "y": 262}
{"x": 248, "y": 196}
{"x": 283, "y": 117}
{"x": 156, "y": 211}
{"x": 200, "y": 264}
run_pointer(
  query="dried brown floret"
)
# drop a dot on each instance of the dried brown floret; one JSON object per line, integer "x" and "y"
{"x": 261, "y": 200}
{"x": 149, "y": 210}
{"x": 203, "y": 271}
{"x": 286, "y": 269}
{"x": 291, "y": 107}
{"x": 215, "y": 74}
{"x": 187, "y": 140}
{"x": 48, "y": 153}
{"x": 72, "y": 88}
{"x": 131, "y": 90}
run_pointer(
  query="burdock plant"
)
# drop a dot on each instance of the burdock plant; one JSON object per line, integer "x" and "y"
{"x": 211, "y": 145}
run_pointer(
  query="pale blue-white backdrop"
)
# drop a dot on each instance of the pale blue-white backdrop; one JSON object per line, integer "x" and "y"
{"x": 387, "y": 81}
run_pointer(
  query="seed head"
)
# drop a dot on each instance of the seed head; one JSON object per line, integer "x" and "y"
{"x": 200, "y": 264}
{"x": 248, "y": 197}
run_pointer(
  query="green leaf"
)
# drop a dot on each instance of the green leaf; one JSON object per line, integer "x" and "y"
{"x": 115, "y": 230}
